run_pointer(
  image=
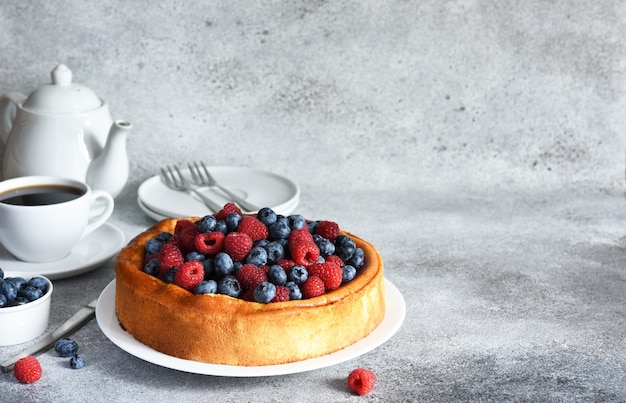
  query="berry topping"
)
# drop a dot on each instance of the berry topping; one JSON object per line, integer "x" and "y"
{"x": 282, "y": 294}
{"x": 327, "y": 229}
{"x": 27, "y": 369}
{"x": 264, "y": 292}
{"x": 170, "y": 257}
{"x": 301, "y": 234}
{"x": 209, "y": 242}
{"x": 249, "y": 276}
{"x": 361, "y": 381}
{"x": 312, "y": 287}
{"x": 226, "y": 210}
{"x": 229, "y": 286}
{"x": 253, "y": 227}
{"x": 189, "y": 275}
{"x": 188, "y": 237}
{"x": 329, "y": 272}
{"x": 181, "y": 225}
{"x": 304, "y": 253}
{"x": 237, "y": 245}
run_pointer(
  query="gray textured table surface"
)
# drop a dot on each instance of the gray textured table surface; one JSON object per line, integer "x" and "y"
{"x": 478, "y": 145}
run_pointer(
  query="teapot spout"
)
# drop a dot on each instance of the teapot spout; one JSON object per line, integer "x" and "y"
{"x": 109, "y": 170}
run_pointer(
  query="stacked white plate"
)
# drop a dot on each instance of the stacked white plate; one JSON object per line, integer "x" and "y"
{"x": 261, "y": 188}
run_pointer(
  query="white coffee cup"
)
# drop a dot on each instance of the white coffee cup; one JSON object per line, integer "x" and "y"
{"x": 42, "y": 218}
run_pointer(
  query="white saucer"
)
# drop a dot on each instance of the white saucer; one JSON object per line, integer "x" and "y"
{"x": 261, "y": 188}
{"x": 107, "y": 320}
{"x": 155, "y": 215}
{"x": 88, "y": 254}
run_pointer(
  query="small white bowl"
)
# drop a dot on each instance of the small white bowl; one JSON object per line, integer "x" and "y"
{"x": 19, "y": 324}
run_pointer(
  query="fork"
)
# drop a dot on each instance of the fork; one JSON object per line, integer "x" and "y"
{"x": 174, "y": 180}
{"x": 203, "y": 177}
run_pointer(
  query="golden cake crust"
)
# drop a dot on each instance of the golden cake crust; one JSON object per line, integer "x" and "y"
{"x": 220, "y": 329}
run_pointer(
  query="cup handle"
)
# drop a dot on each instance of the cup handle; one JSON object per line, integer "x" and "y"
{"x": 97, "y": 221}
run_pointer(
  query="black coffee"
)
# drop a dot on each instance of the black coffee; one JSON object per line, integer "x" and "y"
{"x": 40, "y": 195}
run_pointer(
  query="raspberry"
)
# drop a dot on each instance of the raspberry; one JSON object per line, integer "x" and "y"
{"x": 327, "y": 229}
{"x": 361, "y": 381}
{"x": 301, "y": 234}
{"x": 312, "y": 287}
{"x": 176, "y": 241}
{"x": 248, "y": 295}
{"x": 249, "y": 276}
{"x": 181, "y": 225}
{"x": 304, "y": 253}
{"x": 335, "y": 259}
{"x": 286, "y": 263}
{"x": 237, "y": 245}
{"x": 210, "y": 243}
{"x": 27, "y": 369}
{"x": 329, "y": 272}
{"x": 170, "y": 257}
{"x": 253, "y": 227}
{"x": 188, "y": 237}
{"x": 282, "y": 294}
{"x": 189, "y": 275}
{"x": 226, "y": 210}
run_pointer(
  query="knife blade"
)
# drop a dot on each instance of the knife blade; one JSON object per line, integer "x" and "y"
{"x": 80, "y": 318}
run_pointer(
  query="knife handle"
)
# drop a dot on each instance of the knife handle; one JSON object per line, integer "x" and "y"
{"x": 84, "y": 315}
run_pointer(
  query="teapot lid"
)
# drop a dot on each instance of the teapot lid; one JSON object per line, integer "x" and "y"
{"x": 62, "y": 96}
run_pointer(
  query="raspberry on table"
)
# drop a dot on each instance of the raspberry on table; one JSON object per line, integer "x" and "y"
{"x": 27, "y": 369}
{"x": 361, "y": 381}
{"x": 312, "y": 287}
{"x": 189, "y": 275}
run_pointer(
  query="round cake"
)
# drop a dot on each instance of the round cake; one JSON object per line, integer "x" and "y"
{"x": 221, "y": 329}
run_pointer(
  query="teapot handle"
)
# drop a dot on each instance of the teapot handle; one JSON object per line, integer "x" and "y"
{"x": 8, "y": 110}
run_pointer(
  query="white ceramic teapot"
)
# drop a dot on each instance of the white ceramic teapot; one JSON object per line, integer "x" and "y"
{"x": 63, "y": 129}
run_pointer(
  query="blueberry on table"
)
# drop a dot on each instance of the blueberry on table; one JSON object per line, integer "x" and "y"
{"x": 66, "y": 347}
{"x": 77, "y": 362}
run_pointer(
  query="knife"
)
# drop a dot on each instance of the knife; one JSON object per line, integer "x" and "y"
{"x": 84, "y": 315}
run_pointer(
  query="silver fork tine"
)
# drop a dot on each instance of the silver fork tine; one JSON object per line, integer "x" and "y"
{"x": 174, "y": 179}
{"x": 210, "y": 180}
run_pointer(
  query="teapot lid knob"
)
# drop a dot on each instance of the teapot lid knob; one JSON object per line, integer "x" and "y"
{"x": 61, "y": 75}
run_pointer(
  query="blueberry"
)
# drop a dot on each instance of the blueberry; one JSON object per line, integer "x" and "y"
{"x": 152, "y": 267}
{"x": 169, "y": 274}
{"x": 3, "y": 300}
{"x": 236, "y": 267}
{"x": 194, "y": 255}
{"x": 357, "y": 259}
{"x": 275, "y": 251}
{"x": 276, "y": 275}
{"x": 344, "y": 247}
{"x": 223, "y": 264}
{"x": 232, "y": 222}
{"x": 18, "y": 282}
{"x": 31, "y": 293}
{"x": 348, "y": 273}
{"x": 207, "y": 223}
{"x": 261, "y": 242}
{"x": 39, "y": 282}
{"x": 326, "y": 247}
{"x": 264, "y": 292}
{"x": 18, "y": 301}
{"x": 294, "y": 291}
{"x": 229, "y": 286}
{"x": 257, "y": 256}
{"x": 153, "y": 246}
{"x": 8, "y": 289}
{"x": 66, "y": 347}
{"x": 209, "y": 267}
{"x": 296, "y": 221}
{"x": 206, "y": 287}
{"x": 279, "y": 230}
{"x": 312, "y": 225}
{"x": 77, "y": 362}
{"x": 267, "y": 216}
{"x": 164, "y": 236}
{"x": 298, "y": 274}
{"x": 221, "y": 226}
